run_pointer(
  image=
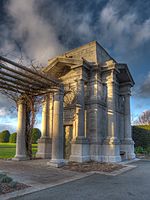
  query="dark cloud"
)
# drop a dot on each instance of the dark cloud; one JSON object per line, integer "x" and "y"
{"x": 144, "y": 89}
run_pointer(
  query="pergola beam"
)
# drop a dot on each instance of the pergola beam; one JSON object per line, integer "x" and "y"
{"x": 16, "y": 82}
{"x": 22, "y": 74}
{"x": 21, "y": 79}
{"x": 17, "y": 87}
{"x": 11, "y": 89}
{"x": 30, "y": 83}
{"x": 29, "y": 70}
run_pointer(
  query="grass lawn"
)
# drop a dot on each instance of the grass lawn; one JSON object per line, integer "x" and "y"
{"x": 8, "y": 150}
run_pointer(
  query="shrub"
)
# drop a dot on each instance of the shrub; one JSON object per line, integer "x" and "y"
{"x": 13, "y": 184}
{"x": 36, "y": 134}
{"x": 139, "y": 150}
{"x": 5, "y": 179}
{"x": 141, "y": 135}
{"x": 13, "y": 137}
{"x": 4, "y": 136}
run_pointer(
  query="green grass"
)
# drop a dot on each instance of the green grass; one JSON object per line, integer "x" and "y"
{"x": 8, "y": 150}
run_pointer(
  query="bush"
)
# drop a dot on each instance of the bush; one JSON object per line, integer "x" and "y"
{"x": 5, "y": 179}
{"x": 36, "y": 134}
{"x": 13, "y": 137}
{"x": 139, "y": 150}
{"x": 141, "y": 135}
{"x": 4, "y": 136}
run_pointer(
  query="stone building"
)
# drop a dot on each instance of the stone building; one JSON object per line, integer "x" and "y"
{"x": 93, "y": 122}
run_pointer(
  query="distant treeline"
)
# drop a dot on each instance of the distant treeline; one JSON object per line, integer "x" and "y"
{"x": 6, "y": 137}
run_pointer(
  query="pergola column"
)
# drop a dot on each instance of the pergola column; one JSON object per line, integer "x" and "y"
{"x": 111, "y": 145}
{"x": 79, "y": 144}
{"x": 21, "y": 130}
{"x": 44, "y": 143}
{"x": 127, "y": 144}
{"x": 57, "y": 158}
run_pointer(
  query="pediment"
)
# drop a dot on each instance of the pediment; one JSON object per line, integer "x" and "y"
{"x": 60, "y": 66}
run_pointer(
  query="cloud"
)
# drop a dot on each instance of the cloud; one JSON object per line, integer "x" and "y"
{"x": 3, "y": 111}
{"x": 121, "y": 27}
{"x": 30, "y": 30}
{"x": 143, "y": 90}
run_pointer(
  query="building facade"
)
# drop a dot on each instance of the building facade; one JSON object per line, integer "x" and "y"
{"x": 94, "y": 118}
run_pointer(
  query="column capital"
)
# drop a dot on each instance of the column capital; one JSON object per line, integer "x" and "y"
{"x": 21, "y": 100}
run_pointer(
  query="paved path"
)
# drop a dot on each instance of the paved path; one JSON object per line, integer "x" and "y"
{"x": 132, "y": 185}
{"x": 36, "y": 172}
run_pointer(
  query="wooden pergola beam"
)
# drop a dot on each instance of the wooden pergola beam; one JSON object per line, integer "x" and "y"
{"x": 29, "y": 82}
{"x": 23, "y": 74}
{"x": 11, "y": 89}
{"x": 16, "y": 82}
{"x": 22, "y": 79}
{"x": 16, "y": 87}
{"x": 30, "y": 71}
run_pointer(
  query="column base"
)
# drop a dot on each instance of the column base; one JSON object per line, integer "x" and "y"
{"x": 57, "y": 162}
{"x": 127, "y": 146}
{"x": 111, "y": 150}
{"x": 44, "y": 148}
{"x": 20, "y": 158}
{"x": 96, "y": 152}
{"x": 79, "y": 150}
{"x": 111, "y": 159}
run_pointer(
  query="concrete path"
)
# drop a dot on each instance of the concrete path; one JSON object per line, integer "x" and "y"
{"x": 132, "y": 185}
{"x": 35, "y": 172}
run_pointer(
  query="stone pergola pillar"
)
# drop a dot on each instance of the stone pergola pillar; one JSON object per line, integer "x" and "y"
{"x": 79, "y": 144}
{"x": 57, "y": 158}
{"x": 111, "y": 145}
{"x": 21, "y": 130}
{"x": 44, "y": 143}
{"x": 127, "y": 144}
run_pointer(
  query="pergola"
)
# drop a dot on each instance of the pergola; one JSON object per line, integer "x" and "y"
{"x": 22, "y": 80}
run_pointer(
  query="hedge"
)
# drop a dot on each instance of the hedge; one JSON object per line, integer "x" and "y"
{"x": 141, "y": 135}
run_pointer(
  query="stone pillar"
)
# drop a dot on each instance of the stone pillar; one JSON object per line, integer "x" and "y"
{"x": 79, "y": 145}
{"x": 95, "y": 114}
{"x": 111, "y": 145}
{"x": 21, "y": 130}
{"x": 44, "y": 143}
{"x": 57, "y": 158}
{"x": 127, "y": 144}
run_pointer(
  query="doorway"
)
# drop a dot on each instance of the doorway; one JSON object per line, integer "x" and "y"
{"x": 68, "y": 130}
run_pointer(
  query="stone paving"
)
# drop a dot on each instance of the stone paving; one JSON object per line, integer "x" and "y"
{"x": 132, "y": 185}
{"x": 39, "y": 175}
{"x": 35, "y": 172}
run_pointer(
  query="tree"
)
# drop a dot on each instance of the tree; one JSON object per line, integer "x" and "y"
{"x": 144, "y": 118}
{"x": 4, "y": 136}
{"x": 36, "y": 134}
{"x": 13, "y": 137}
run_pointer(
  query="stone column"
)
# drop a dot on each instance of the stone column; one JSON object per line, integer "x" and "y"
{"x": 94, "y": 110}
{"x": 79, "y": 145}
{"x": 21, "y": 130}
{"x": 127, "y": 144}
{"x": 44, "y": 143}
{"x": 111, "y": 145}
{"x": 57, "y": 158}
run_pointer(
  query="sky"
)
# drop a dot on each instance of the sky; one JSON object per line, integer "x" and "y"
{"x": 42, "y": 29}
